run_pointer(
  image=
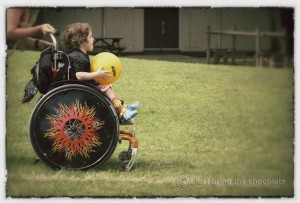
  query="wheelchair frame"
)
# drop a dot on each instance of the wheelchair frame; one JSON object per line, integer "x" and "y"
{"x": 74, "y": 121}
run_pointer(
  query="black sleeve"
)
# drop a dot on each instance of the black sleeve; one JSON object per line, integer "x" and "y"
{"x": 72, "y": 71}
{"x": 78, "y": 64}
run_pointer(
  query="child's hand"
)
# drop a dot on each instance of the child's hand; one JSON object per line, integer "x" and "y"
{"x": 104, "y": 74}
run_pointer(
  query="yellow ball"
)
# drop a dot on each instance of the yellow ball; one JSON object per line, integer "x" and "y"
{"x": 110, "y": 62}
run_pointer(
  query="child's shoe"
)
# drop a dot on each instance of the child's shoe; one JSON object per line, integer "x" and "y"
{"x": 128, "y": 115}
{"x": 133, "y": 106}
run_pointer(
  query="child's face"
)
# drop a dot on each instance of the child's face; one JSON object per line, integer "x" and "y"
{"x": 88, "y": 45}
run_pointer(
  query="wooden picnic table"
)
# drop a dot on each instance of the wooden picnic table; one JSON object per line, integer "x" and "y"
{"x": 109, "y": 43}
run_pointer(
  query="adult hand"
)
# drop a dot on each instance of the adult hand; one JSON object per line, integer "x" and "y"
{"x": 47, "y": 29}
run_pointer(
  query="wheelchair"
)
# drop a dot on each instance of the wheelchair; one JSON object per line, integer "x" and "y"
{"x": 74, "y": 125}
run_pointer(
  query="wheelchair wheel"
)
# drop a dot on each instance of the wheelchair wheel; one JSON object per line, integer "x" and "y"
{"x": 74, "y": 126}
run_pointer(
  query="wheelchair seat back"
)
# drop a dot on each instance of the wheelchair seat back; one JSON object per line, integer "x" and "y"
{"x": 51, "y": 67}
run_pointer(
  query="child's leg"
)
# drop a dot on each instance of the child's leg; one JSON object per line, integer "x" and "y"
{"x": 112, "y": 95}
{"x": 107, "y": 89}
{"x": 123, "y": 112}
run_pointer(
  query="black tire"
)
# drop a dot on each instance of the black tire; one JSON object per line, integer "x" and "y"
{"x": 74, "y": 126}
{"x": 124, "y": 156}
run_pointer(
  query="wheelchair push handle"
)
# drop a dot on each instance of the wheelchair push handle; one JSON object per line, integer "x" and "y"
{"x": 57, "y": 56}
{"x": 57, "y": 33}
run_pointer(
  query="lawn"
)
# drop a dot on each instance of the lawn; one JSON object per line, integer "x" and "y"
{"x": 203, "y": 130}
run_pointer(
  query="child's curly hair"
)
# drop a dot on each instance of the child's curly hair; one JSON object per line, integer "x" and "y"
{"x": 75, "y": 34}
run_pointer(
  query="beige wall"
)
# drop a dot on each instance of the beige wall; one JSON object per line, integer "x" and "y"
{"x": 247, "y": 19}
{"x": 61, "y": 18}
{"x": 193, "y": 24}
{"x": 192, "y": 28}
{"x": 118, "y": 22}
{"x": 129, "y": 24}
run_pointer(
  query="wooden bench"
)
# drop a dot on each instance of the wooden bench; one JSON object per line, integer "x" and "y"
{"x": 111, "y": 44}
{"x": 228, "y": 53}
{"x": 270, "y": 59}
{"x": 111, "y": 49}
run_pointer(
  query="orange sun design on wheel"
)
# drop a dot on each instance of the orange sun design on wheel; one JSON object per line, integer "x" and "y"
{"x": 73, "y": 129}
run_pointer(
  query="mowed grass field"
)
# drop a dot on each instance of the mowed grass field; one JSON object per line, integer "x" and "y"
{"x": 203, "y": 130}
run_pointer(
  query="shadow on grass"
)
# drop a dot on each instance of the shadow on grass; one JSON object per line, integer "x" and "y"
{"x": 22, "y": 161}
{"x": 114, "y": 165}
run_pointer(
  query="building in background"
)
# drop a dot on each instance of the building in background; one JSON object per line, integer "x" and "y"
{"x": 176, "y": 29}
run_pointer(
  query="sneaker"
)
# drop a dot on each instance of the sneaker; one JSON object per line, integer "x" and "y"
{"x": 128, "y": 115}
{"x": 133, "y": 106}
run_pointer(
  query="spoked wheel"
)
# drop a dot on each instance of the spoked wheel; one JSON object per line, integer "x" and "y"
{"x": 74, "y": 126}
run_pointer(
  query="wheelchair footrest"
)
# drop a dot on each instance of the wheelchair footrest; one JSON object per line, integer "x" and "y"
{"x": 128, "y": 157}
{"x": 131, "y": 162}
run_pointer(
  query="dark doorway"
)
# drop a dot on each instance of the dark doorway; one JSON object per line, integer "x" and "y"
{"x": 161, "y": 28}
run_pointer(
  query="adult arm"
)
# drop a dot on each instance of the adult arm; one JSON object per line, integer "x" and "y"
{"x": 14, "y": 31}
{"x": 41, "y": 44}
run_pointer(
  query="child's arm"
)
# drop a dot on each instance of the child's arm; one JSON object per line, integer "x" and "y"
{"x": 92, "y": 75}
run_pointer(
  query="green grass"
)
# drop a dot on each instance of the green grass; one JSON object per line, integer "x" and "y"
{"x": 196, "y": 123}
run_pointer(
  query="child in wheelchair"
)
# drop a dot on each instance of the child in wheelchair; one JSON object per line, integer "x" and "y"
{"x": 78, "y": 39}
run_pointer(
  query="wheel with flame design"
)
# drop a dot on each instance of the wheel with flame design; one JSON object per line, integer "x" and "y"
{"x": 74, "y": 126}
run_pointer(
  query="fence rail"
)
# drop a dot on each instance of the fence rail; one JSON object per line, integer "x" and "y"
{"x": 258, "y": 34}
